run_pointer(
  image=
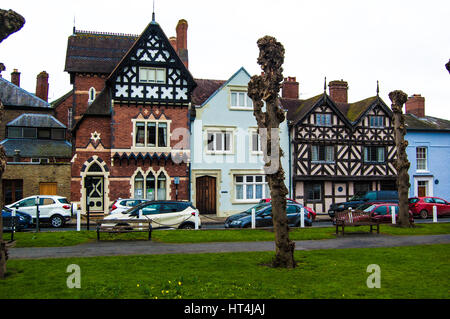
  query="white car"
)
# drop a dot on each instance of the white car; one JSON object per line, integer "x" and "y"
{"x": 163, "y": 214}
{"x": 123, "y": 204}
{"x": 54, "y": 209}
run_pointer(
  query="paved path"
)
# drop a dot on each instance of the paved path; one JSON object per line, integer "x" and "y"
{"x": 119, "y": 248}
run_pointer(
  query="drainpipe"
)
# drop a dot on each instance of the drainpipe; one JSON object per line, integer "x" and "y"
{"x": 290, "y": 165}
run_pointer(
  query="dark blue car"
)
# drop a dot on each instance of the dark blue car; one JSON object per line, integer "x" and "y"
{"x": 263, "y": 217}
{"x": 24, "y": 220}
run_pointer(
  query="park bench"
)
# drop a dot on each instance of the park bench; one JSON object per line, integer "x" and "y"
{"x": 124, "y": 226}
{"x": 355, "y": 218}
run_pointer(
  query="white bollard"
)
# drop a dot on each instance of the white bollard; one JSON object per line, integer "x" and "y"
{"x": 13, "y": 215}
{"x": 78, "y": 220}
{"x": 302, "y": 217}
{"x": 434, "y": 214}
{"x": 393, "y": 214}
{"x": 196, "y": 219}
{"x": 253, "y": 218}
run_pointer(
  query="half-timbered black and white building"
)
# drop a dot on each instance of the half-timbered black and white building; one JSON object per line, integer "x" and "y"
{"x": 338, "y": 148}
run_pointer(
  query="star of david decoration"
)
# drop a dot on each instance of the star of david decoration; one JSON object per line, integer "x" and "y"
{"x": 95, "y": 136}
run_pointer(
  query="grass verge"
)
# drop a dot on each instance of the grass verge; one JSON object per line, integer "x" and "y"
{"x": 70, "y": 238}
{"x": 406, "y": 272}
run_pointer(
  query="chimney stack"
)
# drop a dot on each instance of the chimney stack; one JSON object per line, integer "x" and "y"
{"x": 173, "y": 42}
{"x": 338, "y": 91}
{"x": 415, "y": 105}
{"x": 42, "y": 86}
{"x": 15, "y": 77}
{"x": 290, "y": 88}
{"x": 181, "y": 46}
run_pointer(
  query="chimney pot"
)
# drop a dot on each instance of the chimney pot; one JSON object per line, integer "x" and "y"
{"x": 15, "y": 77}
{"x": 42, "y": 86}
{"x": 338, "y": 91}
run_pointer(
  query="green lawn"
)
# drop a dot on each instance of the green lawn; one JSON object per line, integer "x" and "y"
{"x": 406, "y": 272}
{"x": 68, "y": 238}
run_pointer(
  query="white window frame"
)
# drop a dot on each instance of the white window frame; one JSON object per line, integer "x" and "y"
{"x": 156, "y": 175}
{"x": 366, "y": 151}
{"x": 258, "y": 150}
{"x": 91, "y": 95}
{"x": 145, "y": 72}
{"x": 245, "y": 184}
{"x": 429, "y": 180}
{"x": 423, "y": 160}
{"x": 222, "y": 132}
{"x": 146, "y": 122}
{"x": 246, "y": 106}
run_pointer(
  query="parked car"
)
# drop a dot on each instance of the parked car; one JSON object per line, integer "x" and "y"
{"x": 423, "y": 206}
{"x": 123, "y": 204}
{"x": 357, "y": 200}
{"x": 164, "y": 214}
{"x": 24, "y": 220}
{"x": 263, "y": 217}
{"x": 383, "y": 212}
{"x": 53, "y": 209}
{"x": 292, "y": 201}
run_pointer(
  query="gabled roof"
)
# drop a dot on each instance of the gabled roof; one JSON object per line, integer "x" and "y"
{"x": 36, "y": 120}
{"x": 358, "y": 110}
{"x": 152, "y": 27}
{"x": 96, "y": 52}
{"x": 37, "y": 148}
{"x": 427, "y": 123}
{"x": 212, "y": 87}
{"x": 12, "y": 95}
{"x": 101, "y": 106}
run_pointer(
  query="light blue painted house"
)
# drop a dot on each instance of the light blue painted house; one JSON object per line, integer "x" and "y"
{"x": 428, "y": 151}
{"x": 226, "y": 170}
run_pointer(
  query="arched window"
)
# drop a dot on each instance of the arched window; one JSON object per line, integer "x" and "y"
{"x": 161, "y": 186}
{"x": 95, "y": 168}
{"x": 150, "y": 186}
{"x": 139, "y": 186}
{"x": 91, "y": 95}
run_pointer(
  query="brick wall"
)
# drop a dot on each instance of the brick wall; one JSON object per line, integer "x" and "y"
{"x": 82, "y": 84}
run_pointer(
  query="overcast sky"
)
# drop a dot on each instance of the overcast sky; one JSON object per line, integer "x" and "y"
{"x": 402, "y": 44}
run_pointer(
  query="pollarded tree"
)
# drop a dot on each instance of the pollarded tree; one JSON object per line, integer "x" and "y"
{"x": 262, "y": 89}
{"x": 402, "y": 164}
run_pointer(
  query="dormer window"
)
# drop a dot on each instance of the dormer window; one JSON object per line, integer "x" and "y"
{"x": 376, "y": 121}
{"x": 323, "y": 119}
{"x": 91, "y": 95}
{"x": 152, "y": 75}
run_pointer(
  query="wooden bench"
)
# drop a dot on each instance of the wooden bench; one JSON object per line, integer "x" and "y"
{"x": 124, "y": 226}
{"x": 355, "y": 218}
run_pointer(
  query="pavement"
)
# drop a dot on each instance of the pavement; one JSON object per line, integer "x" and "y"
{"x": 123, "y": 248}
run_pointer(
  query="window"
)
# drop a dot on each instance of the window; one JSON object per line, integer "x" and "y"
{"x": 313, "y": 192}
{"x": 219, "y": 141}
{"x": 152, "y": 75}
{"x": 69, "y": 118}
{"x": 421, "y": 158}
{"x": 41, "y": 160}
{"x": 28, "y": 202}
{"x": 374, "y": 154}
{"x": 382, "y": 210}
{"x": 322, "y": 153}
{"x": 323, "y": 119}
{"x": 12, "y": 190}
{"x": 58, "y": 134}
{"x": 255, "y": 142}
{"x": 376, "y": 121}
{"x": 240, "y": 100}
{"x": 44, "y": 133}
{"x": 251, "y": 187}
{"x": 151, "y": 134}
{"x": 29, "y": 132}
{"x": 150, "y": 187}
{"x": 46, "y": 201}
{"x": 91, "y": 95}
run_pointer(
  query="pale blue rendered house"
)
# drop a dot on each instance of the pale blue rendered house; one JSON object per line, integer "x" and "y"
{"x": 226, "y": 168}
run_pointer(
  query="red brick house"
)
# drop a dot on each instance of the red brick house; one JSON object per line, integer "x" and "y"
{"x": 129, "y": 110}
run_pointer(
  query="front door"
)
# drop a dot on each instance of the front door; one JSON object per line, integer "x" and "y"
{"x": 206, "y": 194}
{"x": 95, "y": 194}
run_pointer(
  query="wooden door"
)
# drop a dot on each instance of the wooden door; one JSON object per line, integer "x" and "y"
{"x": 206, "y": 194}
{"x": 47, "y": 188}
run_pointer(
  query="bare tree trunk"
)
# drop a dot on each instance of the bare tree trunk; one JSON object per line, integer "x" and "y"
{"x": 402, "y": 164}
{"x": 265, "y": 88}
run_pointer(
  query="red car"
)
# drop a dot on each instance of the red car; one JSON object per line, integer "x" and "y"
{"x": 423, "y": 206}
{"x": 291, "y": 201}
{"x": 382, "y": 212}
